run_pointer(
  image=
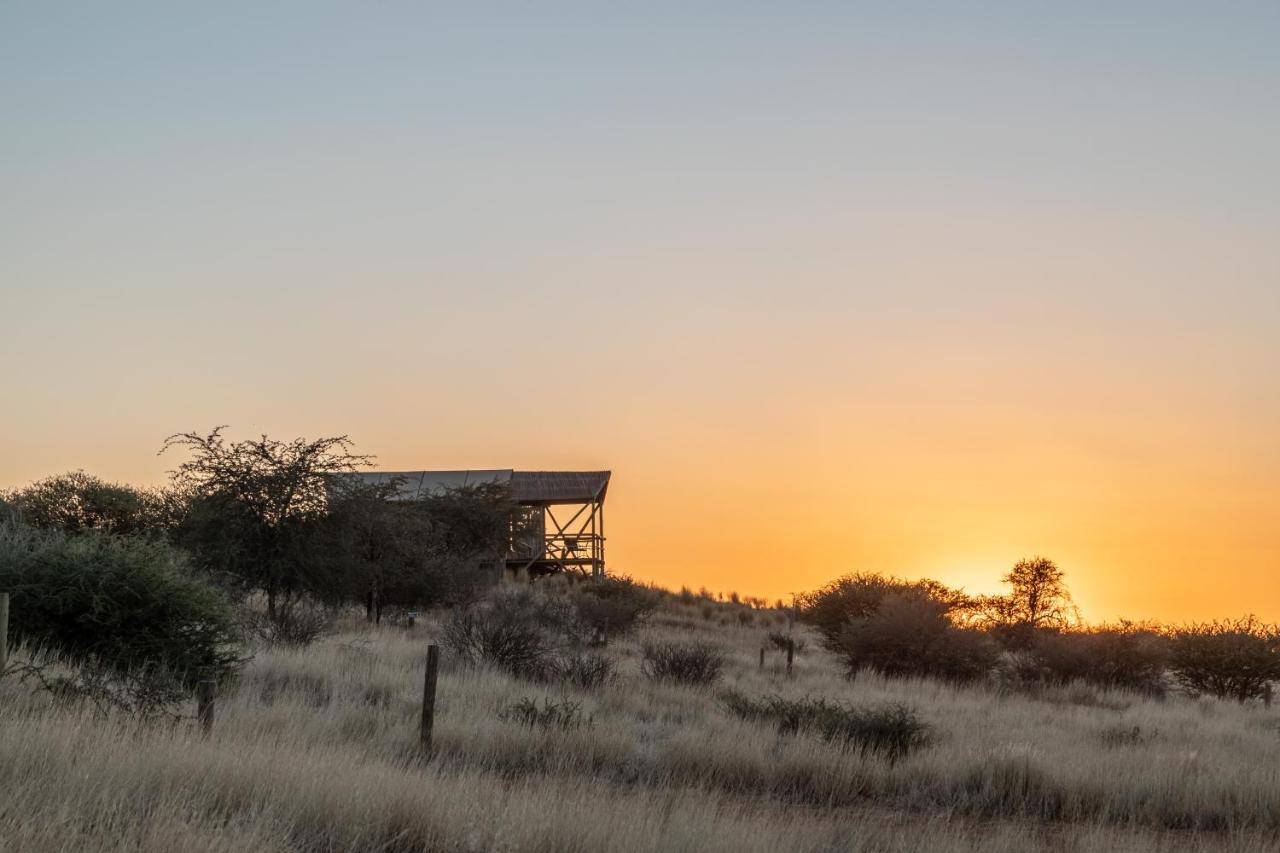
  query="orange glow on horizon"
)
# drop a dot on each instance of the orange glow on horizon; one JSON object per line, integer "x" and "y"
{"x": 838, "y": 291}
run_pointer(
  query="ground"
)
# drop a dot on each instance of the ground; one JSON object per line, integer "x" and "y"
{"x": 317, "y": 749}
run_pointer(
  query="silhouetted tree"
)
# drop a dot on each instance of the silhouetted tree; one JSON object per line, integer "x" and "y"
{"x": 1038, "y": 598}
{"x": 254, "y": 508}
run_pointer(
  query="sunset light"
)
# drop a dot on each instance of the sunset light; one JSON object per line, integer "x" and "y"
{"x": 716, "y": 426}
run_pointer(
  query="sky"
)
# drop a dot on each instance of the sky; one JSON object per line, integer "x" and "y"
{"x": 911, "y": 288}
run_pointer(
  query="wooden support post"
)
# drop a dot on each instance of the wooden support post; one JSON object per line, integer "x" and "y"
{"x": 791, "y": 653}
{"x": 429, "y": 695}
{"x": 762, "y": 657}
{"x": 206, "y": 693}
{"x": 4, "y": 631}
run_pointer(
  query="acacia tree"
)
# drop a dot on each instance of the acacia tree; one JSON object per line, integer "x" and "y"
{"x": 1038, "y": 598}
{"x": 254, "y": 509}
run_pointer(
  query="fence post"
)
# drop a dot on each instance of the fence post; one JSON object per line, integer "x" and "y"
{"x": 429, "y": 695}
{"x": 762, "y": 657}
{"x": 4, "y": 631}
{"x": 791, "y": 653}
{"x": 206, "y": 693}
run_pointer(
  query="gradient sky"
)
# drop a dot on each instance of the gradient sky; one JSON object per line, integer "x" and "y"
{"x": 914, "y": 288}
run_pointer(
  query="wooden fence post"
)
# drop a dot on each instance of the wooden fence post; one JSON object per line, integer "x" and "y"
{"x": 791, "y": 653}
{"x": 4, "y": 630}
{"x": 762, "y": 657}
{"x": 206, "y": 693}
{"x": 429, "y": 695}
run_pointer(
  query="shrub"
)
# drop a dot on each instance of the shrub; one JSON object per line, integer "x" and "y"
{"x": 586, "y": 671}
{"x": 300, "y": 624}
{"x": 613, "y": 605}
{"x": 911, "y": 635}
{"x": 1127, "y": 656}
{"x": 517, "y": 629}
{"x": 564, "y": 716}
{"x": 682, "y": 663}
{"x": 891, "y": 730}
{"x": 78, "y": 501}
{"x": 122, "y": 605}
{"x": 145, "y": 692}
{"x": 1234, "y": 659}
{"x": 859, "y": 596}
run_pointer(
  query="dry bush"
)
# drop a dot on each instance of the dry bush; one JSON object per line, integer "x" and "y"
{"x": 683, "y": 663}
{"x": 516, "y": 629}
{"x": 564, "y": 715}
{"x": 301, "y": 623}
{"x": 583, "y": 670}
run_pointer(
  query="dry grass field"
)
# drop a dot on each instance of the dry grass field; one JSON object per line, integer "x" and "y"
{"x": 316, "y": 749}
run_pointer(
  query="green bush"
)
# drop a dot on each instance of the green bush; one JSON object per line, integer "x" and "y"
{"x": 893, "y": 731}
{"x": 122, "y": 604}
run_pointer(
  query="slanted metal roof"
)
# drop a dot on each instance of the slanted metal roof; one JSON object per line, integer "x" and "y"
{"x": 527, "y": 487}
{"x": 421, "y": 484}
{"x": 552, "y": 487}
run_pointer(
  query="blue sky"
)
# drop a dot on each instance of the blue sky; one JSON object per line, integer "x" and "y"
{"x": 849, "y": 236}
